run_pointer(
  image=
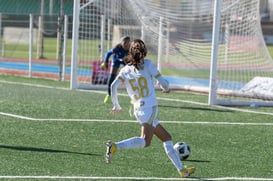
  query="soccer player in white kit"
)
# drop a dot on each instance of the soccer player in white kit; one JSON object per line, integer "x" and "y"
{"x": 138, "y": 75}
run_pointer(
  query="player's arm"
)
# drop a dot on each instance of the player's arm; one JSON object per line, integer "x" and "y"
{"x": 108, "y": 54}
{"x": 164, "y": 84}
{"x": 114, "y": 91}
{"x": 106, "y": 58}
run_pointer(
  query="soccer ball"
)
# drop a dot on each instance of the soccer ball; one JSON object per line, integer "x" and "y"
{"x": 183, "y": 150}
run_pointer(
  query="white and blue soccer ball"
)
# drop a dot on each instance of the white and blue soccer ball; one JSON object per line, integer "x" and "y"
{"x": 183, "y": 150}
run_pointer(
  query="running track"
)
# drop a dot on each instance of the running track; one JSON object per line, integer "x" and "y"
{"x": 47, "y": 70}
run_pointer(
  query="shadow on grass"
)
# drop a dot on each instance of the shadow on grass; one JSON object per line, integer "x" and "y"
{"x": 195, "y": 108}
{"x": 197, "y": 161}
{"x": 33, "y": 149}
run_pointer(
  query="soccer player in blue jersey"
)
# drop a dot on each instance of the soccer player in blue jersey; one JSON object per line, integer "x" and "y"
{"x": 117, "y": 53}
{"x": 138, "y": 75}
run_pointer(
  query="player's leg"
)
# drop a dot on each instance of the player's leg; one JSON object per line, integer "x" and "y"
{"x": 166, "y": 138}
{"x": 145, "y": 118}
{"x": 131, "y": 143}
{"x": 147, "y": 132}
{"x": 113, "y": 74}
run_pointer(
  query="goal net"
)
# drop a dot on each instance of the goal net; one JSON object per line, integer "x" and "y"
{"x": 180, "y": 36}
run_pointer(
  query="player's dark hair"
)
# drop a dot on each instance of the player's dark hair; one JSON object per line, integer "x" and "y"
{"x": 137, "y": 53}
{"x": 122, "y": 40}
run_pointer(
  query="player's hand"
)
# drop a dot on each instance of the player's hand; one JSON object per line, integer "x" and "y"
{"x": 166, "y": 91}
{"x": 166, "y": 88}
{"x": 115, "y": 111}
{"x": 104, "y": 65}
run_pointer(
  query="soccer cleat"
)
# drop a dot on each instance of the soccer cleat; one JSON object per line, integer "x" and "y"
{"x": 106, "y": 99}
{"x": 110, "y": 150}
{"x": 186, "y": 171}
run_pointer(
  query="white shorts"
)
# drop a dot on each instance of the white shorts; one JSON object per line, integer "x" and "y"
{"x": 147, "y": 115}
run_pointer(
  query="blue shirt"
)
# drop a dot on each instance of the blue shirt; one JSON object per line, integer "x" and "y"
{"x": 118, "y": 54}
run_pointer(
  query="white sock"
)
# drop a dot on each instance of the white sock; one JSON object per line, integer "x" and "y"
{"x": 172, "y": 154}
{"x": 131, "y": 143}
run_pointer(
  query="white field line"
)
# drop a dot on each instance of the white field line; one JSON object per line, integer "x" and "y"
{"x": 32, "y": 85}
{"x": 128, "y": 178}
{"x": 132, "y": 121}
{"x": 159, "y": 98}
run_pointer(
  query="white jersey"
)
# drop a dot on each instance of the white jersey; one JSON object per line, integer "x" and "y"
{"x": 139, "y": 84}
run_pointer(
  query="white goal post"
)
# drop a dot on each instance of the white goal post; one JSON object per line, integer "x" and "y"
{"x": 244, "y": 43}
{"x": 208, "y": 46}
